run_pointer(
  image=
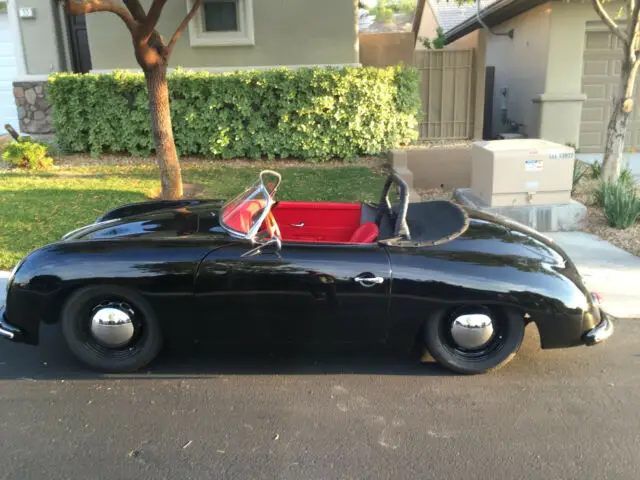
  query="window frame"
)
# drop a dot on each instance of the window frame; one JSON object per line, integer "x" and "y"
{"x": 198, "y": 37}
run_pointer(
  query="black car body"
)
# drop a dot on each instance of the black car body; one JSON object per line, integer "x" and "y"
{"x": 431, "y": 263}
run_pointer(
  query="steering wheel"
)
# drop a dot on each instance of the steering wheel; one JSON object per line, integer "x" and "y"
{"x": 272, "y": 226}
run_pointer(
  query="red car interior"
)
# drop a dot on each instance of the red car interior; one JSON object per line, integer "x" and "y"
{"x": 240, "y": 217}
{"x": 323, "y": 222}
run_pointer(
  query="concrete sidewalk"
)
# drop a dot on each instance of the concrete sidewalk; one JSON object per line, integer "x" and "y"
{"x": 3, "y": 284}
{"x": 608, "y": 270}
{"x": 631, "y": 160}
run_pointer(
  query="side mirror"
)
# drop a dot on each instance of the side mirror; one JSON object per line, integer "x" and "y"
{"x": 274, "y": 243}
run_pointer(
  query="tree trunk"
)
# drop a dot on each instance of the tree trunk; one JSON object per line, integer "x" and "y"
{"x": 617, "y": 129}
{"x": 170, "y": 173}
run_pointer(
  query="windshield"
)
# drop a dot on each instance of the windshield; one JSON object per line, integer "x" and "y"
{"x": 242, "y": 215}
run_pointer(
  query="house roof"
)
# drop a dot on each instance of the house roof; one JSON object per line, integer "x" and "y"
{"x": 449, "y": 14}
{"x": 494, "y": 14}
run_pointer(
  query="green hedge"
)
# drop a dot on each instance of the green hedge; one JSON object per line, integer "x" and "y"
{"x": 311, "y": 113}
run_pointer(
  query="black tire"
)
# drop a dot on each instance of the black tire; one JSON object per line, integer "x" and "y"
{"x": 503, "y": 346}
{"x": 76, "y": 320}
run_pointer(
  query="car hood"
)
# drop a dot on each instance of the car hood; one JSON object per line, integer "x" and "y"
{"x": 152, "y": 219}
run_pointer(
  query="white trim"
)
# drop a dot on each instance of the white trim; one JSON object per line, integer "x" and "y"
{"x": 31, "y": 78}
{"x": 244, "y": 37}
{"x": 232, "y": 69}
{"x": 14, "y": 26}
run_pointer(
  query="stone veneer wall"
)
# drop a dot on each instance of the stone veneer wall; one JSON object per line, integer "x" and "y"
{"x": 34, "y": 112}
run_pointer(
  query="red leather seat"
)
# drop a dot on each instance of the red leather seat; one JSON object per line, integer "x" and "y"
{"x": 366, "y": 233}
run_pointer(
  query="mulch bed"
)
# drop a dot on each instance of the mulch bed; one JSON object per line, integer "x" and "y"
{"x": 596, "y": 221}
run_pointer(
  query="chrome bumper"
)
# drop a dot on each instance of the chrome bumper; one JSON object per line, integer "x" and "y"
{"x": 601, "y": 332}
{"x": 7, "y": 330}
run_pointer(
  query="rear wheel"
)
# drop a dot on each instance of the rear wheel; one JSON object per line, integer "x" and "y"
{"x": 111, "y": 329}
{"x": 474, "y": 339}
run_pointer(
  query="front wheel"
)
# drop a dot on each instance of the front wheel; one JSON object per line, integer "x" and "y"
{"x": 474, "y": 339}
{"x": 111, "y": 329}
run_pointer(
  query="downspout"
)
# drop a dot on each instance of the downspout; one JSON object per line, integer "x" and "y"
{"x": 486, "y": 27}
{"x": 60, "y": 36}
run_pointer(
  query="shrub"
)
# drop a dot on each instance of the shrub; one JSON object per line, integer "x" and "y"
{"x": 310, "y": 113}
{"x": 596, "y": 170}
{"x": 621, "y": 204}
{"x": 579, "y": 171}
{"x": 600, "y": 193}
{"x": 626, "y": 177}
{"x": 27, "y": 154}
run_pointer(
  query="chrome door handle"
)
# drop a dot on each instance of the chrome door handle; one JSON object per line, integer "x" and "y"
{"x": 369, "y": 281}
{"x": 297, "y": 225}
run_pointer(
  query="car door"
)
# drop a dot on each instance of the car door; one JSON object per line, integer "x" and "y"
{"x": 309, "y": 293}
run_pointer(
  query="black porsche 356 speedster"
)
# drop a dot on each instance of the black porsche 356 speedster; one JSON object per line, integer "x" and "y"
{"x": 460, "y": 283}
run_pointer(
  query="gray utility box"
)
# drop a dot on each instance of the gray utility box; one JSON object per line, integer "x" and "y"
{"x": 521, "y": 172}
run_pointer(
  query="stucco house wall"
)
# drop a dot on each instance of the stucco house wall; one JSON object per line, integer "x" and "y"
{"x": 43, "y": 38}
{"x": 542, "y": 68}
{"x": 290, "y": 33}
{"x": 286, "y": 32}
{"x": 520, "y": 69}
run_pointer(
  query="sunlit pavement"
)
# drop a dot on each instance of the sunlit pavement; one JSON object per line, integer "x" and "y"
{"x": 548, "y": 414}
{"x": 606, "y": 269}
{"x": 3, "y": 285}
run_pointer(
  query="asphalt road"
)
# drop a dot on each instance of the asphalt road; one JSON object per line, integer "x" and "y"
{"x": 324, "y": 415}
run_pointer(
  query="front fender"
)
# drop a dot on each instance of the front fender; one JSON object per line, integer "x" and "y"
{"x": 162, "y": 271}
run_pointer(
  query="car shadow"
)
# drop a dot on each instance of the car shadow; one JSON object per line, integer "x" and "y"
{"x": 51, "y": 360}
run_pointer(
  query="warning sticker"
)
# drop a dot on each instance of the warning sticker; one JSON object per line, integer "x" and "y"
{"x": 533, "y": 165}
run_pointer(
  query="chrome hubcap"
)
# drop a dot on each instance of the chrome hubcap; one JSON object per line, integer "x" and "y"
{"x": 112, "y": 327}
{"x": 472, "y": 331}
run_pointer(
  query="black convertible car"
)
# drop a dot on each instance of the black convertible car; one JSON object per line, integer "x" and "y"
{"x": 461, "y": 283}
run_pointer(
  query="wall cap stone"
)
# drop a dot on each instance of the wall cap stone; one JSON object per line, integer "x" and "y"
{"x": 560, "y": 97}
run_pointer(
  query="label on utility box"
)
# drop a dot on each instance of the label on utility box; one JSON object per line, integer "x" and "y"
{"x": 533, "y": 165}
{"x": 562, "y": 156}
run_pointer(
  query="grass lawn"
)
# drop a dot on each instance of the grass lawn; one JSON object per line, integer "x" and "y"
{"x": 38, "y": 208}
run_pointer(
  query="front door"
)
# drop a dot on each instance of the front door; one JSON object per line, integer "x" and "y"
{"x": 309, "y": 293}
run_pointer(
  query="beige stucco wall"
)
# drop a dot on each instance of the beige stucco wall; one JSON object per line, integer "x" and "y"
{"x": 561, "y": 104}
{"x": 42, "y": 41}
{"x": 287, "y": 32}
{"x": 542, "y": 67}
{"x": 520, "y": 68}
{"x": 428, "y": 26}
{"x": 386, "y": 49}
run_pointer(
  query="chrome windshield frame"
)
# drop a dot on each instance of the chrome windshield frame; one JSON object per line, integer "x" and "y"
{"x": 260, "y": 189}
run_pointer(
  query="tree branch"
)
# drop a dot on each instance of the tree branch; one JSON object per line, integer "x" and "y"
{"x": 606, "y": 18}
{"x": 178, "y": 33}
{"x": 153, "y": 15}
{"x": 75, "y": 7}
{"x": 136, "y": 10}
